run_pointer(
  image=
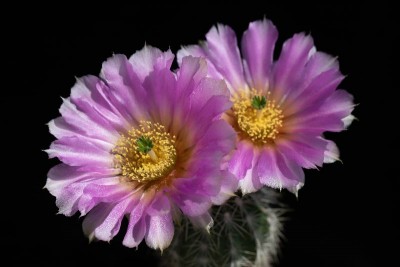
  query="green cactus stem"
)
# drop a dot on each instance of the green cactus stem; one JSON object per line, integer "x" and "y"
{"x": 247, "y": 231}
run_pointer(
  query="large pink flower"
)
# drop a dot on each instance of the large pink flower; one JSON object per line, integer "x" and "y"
{"x": 280, "y": 109}
{"x": 144, "y": 142}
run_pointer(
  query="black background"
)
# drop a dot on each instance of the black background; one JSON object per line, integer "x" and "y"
{"x": 345, "y": 214}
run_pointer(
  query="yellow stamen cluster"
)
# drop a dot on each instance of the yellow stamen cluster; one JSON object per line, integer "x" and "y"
{"x": 260, "y": 125}
{"x": 142, "y": 166}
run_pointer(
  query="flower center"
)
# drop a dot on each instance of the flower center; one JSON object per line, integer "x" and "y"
{"x": 146, "y": 153}
{"x": 258, "y": 117}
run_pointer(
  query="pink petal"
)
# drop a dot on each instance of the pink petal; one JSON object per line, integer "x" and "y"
{"x": 148, "y": 59}
{"x": 102, "y": 191}
{"x": 61, "y": 175}
{"x": 258, "y": 44}
{"x": 192, "y": 70}
{"x": 331, "y": 153}
{"x": 60, "y": 129}
{"x": 103, "y": 221}
{"x": 207, "y": 89}
{"x": 327, "y": 117}
{"x": 319, "y": 63}
{"x": 276, "y": 171}
{"x": 112, "y": 223}
{"x": 241, "y": 160}
{"x": 306, "y": 151}
{"x": 160, "y": 231}
{"x": 208, "y": 101}
{"x": 340, "y": 103}
{"x": 218, "y": 135}
{"x": 160, "y": 205}
{"x": 68, "y": 201}
{"x": 160, "y": 105}
{"x": 66, "y": 183}
{"x": 315, "y": 94}
{"x": 85, "y": 124}
{"x": 94, "y": 219}
{"x": 229, "y": 185}
{"x": 197, "y": 180}
{"x": 136, "y": 227}
{"x": 190, "y": 203}
{"x": 84, "y": 200}
{"x": 320, "y": 78}
{"x": 197, "y": 51}
{"x": 289, "y": 68}
{"x": 190, "y": 50}
{"x": 85, "y": 94}
{"x": 224, "y": 53}
{"x": 126, "y": 87}
{"x": 191, "y": 73}
{"x": 77, "y": 152}
{"x": 348, "y": 120}
{"x": 251, "y": 181}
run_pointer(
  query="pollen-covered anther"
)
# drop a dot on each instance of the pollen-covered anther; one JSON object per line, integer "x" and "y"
{"x": 257, "y": 116}
{"x": 146, "y": 153}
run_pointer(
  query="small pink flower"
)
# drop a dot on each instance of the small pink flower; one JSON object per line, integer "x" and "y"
{"x": 142, "y": 142}
{"x": 280, "y": 109}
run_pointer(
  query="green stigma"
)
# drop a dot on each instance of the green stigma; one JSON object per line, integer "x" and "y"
{"x": 144, "y": 144}
{"x": 259, "y": 102}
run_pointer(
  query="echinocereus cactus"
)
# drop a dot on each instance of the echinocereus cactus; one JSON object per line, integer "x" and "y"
{"x": 161, "y": 147}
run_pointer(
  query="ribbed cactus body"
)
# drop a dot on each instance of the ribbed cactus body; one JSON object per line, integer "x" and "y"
{"x": 246, "y": 232}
